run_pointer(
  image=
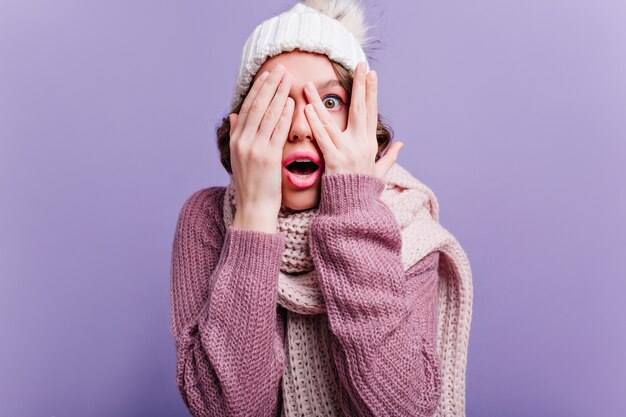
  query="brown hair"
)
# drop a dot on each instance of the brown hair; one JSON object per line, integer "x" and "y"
{"x": 384, "y": 133}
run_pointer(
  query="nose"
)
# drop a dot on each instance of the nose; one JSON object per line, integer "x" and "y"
{"x": 300, "y": 128}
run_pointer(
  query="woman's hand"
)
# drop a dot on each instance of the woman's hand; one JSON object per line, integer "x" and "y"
{"x": 354, "y": 149}
{"x": 257, "y": 136}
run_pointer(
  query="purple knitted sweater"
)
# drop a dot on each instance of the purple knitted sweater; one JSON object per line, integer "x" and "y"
{"x": 228, "y": 329}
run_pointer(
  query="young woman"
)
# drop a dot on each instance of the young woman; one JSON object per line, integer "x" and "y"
{"x": 319, "y": 282}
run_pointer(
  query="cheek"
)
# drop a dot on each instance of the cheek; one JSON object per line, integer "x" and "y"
{"x": 341, "y": 118}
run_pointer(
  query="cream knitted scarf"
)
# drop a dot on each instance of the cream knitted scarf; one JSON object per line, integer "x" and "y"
{"x": 312, "y": 388}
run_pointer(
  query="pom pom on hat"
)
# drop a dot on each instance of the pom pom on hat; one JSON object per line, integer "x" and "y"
{"x": 348, "y": 12}
{"x": 332, "y": 27}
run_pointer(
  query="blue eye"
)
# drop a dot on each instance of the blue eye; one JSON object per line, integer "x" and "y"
{"x": 332, "y": 101}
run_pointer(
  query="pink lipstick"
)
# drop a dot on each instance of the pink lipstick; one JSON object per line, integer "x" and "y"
{"x": 302, "y": 168}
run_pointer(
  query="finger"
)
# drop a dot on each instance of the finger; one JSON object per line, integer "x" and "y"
{"x": 371, "y": 97}
{"x": 245, "y": 106}
{"x": 322, "y": 113}
{"x": 262, "y": 99}
{"x": 232, "y": 119}
{"x": 385, "y": 162}
{"x": 357, "y": 115}
{"x": 319, "y": 132}
{"x": 275, "y": 109}
{"x": 281, "y": 132}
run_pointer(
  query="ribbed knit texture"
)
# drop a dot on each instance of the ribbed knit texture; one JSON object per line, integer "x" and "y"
{"x": 387, "y": 336}
{"x": 300, "y": 27}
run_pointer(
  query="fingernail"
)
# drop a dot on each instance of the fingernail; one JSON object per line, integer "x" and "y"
{"x": 309, "y": 86}
{"x": 308, "y": 107}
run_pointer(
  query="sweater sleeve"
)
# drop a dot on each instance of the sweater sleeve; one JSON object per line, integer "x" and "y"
{"x": 382, "y": 318}
{"x": 229, "y": 356}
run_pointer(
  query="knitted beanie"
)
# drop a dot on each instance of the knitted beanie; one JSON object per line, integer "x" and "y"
{"x": 334, "y": 28}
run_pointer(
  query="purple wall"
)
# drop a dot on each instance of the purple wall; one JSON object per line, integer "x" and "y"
{"x": 514, "y": 113}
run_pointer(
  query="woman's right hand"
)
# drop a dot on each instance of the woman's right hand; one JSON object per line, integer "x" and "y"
{"x": 257, "y": 136}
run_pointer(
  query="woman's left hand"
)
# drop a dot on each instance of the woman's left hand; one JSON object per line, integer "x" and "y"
{"x": 354, "y": 149}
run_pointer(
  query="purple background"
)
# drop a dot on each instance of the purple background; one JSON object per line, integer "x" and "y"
{"x": 513, "y": 112}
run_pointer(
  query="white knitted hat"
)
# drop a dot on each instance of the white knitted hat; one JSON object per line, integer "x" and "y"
{"x": 331, "y": 27}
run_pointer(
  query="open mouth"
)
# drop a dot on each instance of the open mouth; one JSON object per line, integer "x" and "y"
{"x": 302, "y": 168}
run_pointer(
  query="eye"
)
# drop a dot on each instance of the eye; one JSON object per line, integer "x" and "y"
{"x": 332, "y": 101}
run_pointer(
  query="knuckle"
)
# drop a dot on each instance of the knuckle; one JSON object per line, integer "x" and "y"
{"x": 259, "y": 155}
{"x": 253, "y": 152}
{"x": 257, "y": 107}
{"x": 272, "y": 82}
{"x": 237, "y": 148}
{"x": 270, "y": 114}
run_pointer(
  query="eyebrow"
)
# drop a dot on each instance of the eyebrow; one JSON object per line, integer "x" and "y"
{"x": 329, "y": 83}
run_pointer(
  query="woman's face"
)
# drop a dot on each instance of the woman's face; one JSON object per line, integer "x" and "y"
{"x": 297, "y": 192}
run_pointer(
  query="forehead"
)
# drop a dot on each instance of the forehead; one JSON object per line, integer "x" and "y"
{"x": 303, "y": 66}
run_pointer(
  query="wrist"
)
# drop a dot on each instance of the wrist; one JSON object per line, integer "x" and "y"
{"x": 261, "y": 220}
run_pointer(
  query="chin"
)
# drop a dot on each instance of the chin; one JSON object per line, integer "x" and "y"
{"x": 300, "y": 200}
